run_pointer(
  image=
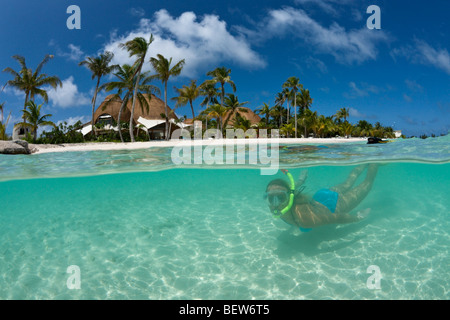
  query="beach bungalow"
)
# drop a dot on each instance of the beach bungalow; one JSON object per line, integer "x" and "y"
{"x": 20, "y": 132}
{"x": 152, "y": 121}
{"x": 248, "y": 114}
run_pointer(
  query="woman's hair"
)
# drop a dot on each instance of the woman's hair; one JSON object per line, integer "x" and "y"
{"x": 299, "y": 196}
{"x": 278, "y": 182}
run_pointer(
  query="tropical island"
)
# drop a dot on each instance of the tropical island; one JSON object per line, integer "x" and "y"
{"x": 134, "y": 112}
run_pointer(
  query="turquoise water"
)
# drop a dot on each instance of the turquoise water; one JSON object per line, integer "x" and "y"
{"x": 205, "y": 233}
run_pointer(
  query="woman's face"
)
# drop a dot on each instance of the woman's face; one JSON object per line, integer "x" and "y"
{"x": 277, "y": 197}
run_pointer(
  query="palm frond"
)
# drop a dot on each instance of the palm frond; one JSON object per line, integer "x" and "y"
{"x": 41, "y": 64}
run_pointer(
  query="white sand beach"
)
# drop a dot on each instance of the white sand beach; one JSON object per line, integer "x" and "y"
{"x": 94, "y": 146}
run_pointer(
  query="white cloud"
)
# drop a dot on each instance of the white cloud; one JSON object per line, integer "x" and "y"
{"x": 67, "y": 96}
{"x": 347, "y": 46}
{"x": 355, "y": 113}
{"x": 421, "y": 52}
{"x": 72, "y": 120}
{"x": 203, "y": 42}
{"x": 329, "y": 6}
{"x": 314, "y": 63}
{"x": 74, "y": 52}
{"x": 438, "y": 58}
{"x": 361, "y": 91}
{"x": 137, "y": 12}
{"x": 16, "y": 92}
{"x": 413, "y": 86}
{"x": 407, "y": 98}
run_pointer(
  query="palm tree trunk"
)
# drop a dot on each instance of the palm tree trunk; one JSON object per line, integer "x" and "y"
{"x": 287, "y": 120}
{"x": 304, "y": 124}
{"x": 25, "y": 106}
{"x": 225, "y": 123}
{"x": 222, "y": 95}
{"x": 281, "y": 119}
{"x": 166, "y": 134}
{"x": 295, "y": 111}
{"x": 119, "y": 116}
{"x": 93, "y": 105}
{"x": 134, "y": 102}
{"x": 192, "y": 109}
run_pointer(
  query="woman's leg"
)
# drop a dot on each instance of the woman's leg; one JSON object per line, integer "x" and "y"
{"x": 344, "y": 187}
{"x": 348, "y": 200}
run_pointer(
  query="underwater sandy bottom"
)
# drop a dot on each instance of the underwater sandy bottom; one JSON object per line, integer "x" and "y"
{"x": 204, "y": 234}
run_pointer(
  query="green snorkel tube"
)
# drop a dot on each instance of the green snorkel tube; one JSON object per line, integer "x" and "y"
{"x": 277, "y": 213}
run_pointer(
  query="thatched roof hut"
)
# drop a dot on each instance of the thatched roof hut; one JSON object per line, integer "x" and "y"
{"x": 156, "y": 107}
{"x": 249, "y": 115}
{"x": 111, "y": 108}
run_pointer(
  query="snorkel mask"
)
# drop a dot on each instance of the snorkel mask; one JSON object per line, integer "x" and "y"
{"x": 280, "y": 197}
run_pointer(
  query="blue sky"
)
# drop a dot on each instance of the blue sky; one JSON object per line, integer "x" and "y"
{"x": 399, "y": 75}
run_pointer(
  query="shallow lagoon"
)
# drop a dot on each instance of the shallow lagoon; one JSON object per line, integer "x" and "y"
{"x": 204, "y": 233}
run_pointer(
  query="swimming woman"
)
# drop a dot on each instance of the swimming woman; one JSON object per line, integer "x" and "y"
{"x": 327, "y": 206}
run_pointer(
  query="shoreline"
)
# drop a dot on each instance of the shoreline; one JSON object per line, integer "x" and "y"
{"x": 99, "y": 146}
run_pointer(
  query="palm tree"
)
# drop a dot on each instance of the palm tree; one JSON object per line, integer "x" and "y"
{"x": 3, "y": 135}
{"x": 280, "y": 98}
{"x": 231, "y": 102}
{"x": 294, "y": 84}
{"x": 313, "y": 121}
{"x": 137, "y": 47}
{"x": 33, "y": 115}
{"x": 364, "y": 128}
{"x": 264, "y": 110}
{"x": 210, "y": 92}
{"x": 305, "y": 100}
{"x": 287, "y": 129}
{"x": 286, "y": 93}
{"x": 321, "y": 125}
{"x": 1, "y": 109}
{"x": 389, "y": 132}
{"x": 242, "y": 123}
{"x": 307, "y": 119}
{"x": 127, "y": 78}
{"x": 330, "y": 127}
{"x": 2, "y": 104}
{"x": 346, "y": 129}
{"x": 187, "y": 94}
{"x": 30, "y": 82}
{"x": 99, "y": 66}
{"x": 163, "y": 72}
{"x": 277, "y": 113}
{"x": 218, "y": 112}
{"x": 221, "y": 75}
{"x": 342, "y": 113}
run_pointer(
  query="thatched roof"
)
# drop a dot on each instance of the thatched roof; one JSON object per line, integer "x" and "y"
{"x": 189, "y": 121}
{"x": 156, "y": 107}
{"x": 249, "y": 115}
{"x": 112, "y": 108}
